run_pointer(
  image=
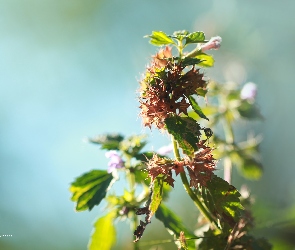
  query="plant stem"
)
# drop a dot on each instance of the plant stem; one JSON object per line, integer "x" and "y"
{"x": 134, "y": 225}
{"x": 190, "y": 192}
{"x": 131, "y": 180}
{"x": 229, "y": 138}
{"x": 193, "y": 52}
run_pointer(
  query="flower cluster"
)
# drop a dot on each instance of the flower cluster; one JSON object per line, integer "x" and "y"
{"x": 115, "y": 161}
{"x": 166, "y": 87}
{"x": 200, "y": 168}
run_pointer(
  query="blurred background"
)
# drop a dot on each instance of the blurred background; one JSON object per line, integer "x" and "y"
{"x": 69, "y": 70}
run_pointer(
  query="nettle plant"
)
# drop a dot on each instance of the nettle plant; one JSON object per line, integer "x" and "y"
{"x": 168, "y": 95}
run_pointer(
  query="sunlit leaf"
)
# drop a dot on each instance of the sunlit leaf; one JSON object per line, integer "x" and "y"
{"x": 180, "y": 35}
{"x": 157, "y": 190}
{"x": 104, "y": 234}
{"x": 90, "y": 188}
{"x": 206, "y": 60}
{"x": 207, "y": 110}
{"x": 197, "y": 108}
{"x": 108, "y": 141}
{"x": 201, "y": 92}
{"x": 159, "y": 38}
{"x": 185, "y": 131}
{"x": 226, "y": 200}
{"x": 195, "y": 37}
{"x": 174, "y": 224}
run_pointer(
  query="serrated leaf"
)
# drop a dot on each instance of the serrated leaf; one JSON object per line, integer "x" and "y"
{"x": 206, "y": 60}
{"x": 90, "y": 188}
{"x": 108, "y": 141}
{"x": 251, "y": 169}
{"x": 174, "y": 225}
{"x": 226, "y": 199}
{"x": 159, "y": 38}
{"x": 156, "y": 197}
{"x": 195, "y": 37}
{"x": 180, "y": 35}
{"x": 187, "y": 61}
{"x": 185, "y": 131}
{"x": 197, "y": 108}
{"x": 104, "y": 234}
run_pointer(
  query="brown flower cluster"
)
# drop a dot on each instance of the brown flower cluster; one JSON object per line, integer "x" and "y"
{"x": 200, "y": 168}
{"x": 162, "y": 166}
{"x": 166, "y": 87}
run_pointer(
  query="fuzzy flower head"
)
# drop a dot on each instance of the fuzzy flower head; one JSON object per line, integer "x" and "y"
{"x": 249, "y": 91}
{"x": 115, "y": 161}
{"x": 214, "y": 43}
{"x": 165, "y": 88}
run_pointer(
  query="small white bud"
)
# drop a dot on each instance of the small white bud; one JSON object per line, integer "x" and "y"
{"x": 214, "y": 43}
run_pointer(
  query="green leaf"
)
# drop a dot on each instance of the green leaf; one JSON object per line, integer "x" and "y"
{"x": 159, "y": 38}
{"x": 201, "y": 92}
{"x": 187, "y": 61}
{"x": 206, "y": 60}
{"x": 156, "y": 197}
{"x": 90, "y": 188}
{"x": 104, "y": 234}
{"x": 213, "y": 240}
{"x": 174, "y": 225}
{"x": 195, "y": 37}
{"x": 207, "y": 110}
{"x": 185, "y": 131}
{"x": 251, "y": 169}
{"x": 180, "y": 35}
{"x": 226, "y": 200}
{"x": 249, "y": 110}
{"x": 197, "y": 108}
{"x": 108, "y": 141}
{"x": 133, "y": 144}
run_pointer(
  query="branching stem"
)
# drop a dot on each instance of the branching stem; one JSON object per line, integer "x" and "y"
{"x": 189, "y": 191}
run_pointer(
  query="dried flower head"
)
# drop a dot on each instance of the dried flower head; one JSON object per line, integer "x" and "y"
{"x": 166, "y": 87}
{"x": 201, "y": 167}
{"x": 162, "y": 166}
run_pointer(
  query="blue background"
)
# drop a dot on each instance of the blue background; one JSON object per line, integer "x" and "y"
{"x": 70, "y": 69}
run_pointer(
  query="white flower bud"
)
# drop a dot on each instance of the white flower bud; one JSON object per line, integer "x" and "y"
{"x": 214, "y": 43}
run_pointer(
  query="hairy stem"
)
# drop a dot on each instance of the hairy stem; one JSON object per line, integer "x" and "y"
{"x": 189, "y": 191}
